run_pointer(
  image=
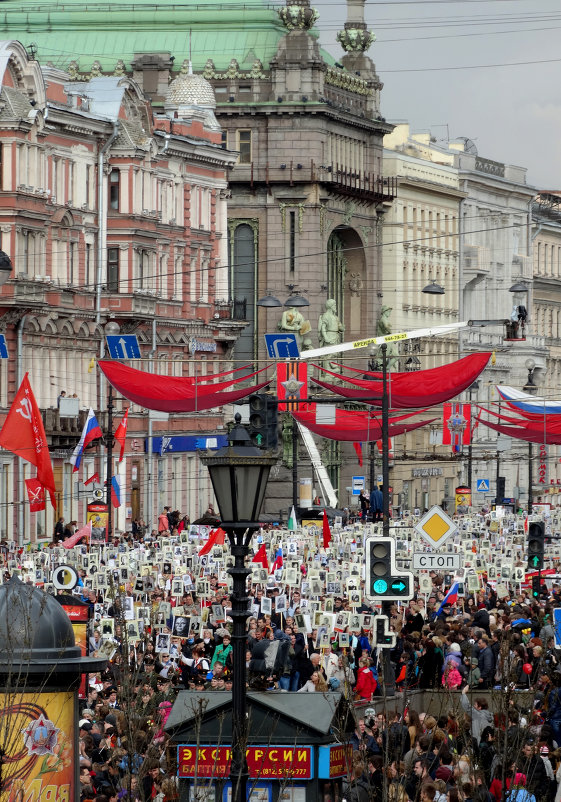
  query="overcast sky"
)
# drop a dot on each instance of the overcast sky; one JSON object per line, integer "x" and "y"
{"x": 512, "y": 113}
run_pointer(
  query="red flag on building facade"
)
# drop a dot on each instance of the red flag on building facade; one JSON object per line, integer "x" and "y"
{"x": 93, "y": 478}
{"x": 23, "y": 434}
{"x": 121, "y": 433}
{"x": 35, "y": 494}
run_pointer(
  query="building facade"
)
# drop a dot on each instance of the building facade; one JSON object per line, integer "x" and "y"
{"x": 307, "y": 193}
{"x": 110, "y": 211}
{"x": 465, "y": 222}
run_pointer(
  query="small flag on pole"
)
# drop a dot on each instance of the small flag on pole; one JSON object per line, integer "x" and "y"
{"x": 115, "y": 492}
{"x": 85, "y": 531}
{"x": 261, "y": 556}
{"x": 326, "y": 531}
{"x": 93, "y": 478}
{"x": 292, "y": 522}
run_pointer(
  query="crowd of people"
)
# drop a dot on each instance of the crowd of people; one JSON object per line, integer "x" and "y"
{"x": 161, "y": 617}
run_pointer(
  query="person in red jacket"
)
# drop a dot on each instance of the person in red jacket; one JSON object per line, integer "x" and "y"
{"x": 365, "y": 684}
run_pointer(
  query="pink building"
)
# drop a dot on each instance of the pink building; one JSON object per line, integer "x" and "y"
{"x": 110, "y": 210}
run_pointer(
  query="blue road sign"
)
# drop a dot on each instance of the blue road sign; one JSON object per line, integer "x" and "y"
{"x": 282, "y": 346}
{"x": 123, "y": 346}
{"x": 3, "y": 347}
{"x": 482, "y": 486}
{"x": 557, "y": 625}
{"x": 358, "y": 484}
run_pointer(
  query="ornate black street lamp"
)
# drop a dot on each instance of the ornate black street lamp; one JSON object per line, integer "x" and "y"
{"x": 239, "y": 474}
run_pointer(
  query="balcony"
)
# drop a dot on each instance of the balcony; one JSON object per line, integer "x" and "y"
{"x": 62, "y": 432}
{"x": 231, "y": 310}
{"x": 361, "y": 186}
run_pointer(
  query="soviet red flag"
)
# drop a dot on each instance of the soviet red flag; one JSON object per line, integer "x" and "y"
{"x": 23, "y": 434}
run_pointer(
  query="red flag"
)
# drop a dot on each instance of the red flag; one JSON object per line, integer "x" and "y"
{"x": 23, "y": 434}
{"x": 326, "y": 531}
{"x": 93, "y": 478}
{"x": 121, "y": 433}
{"x": 212, "y": 539}
{"x": 85, "y": 531}
{"x": 261, "y": 556}
{"x": 220, "y": 537}
{"x": 36, "y": 495}
{"x": 358, "y": 448}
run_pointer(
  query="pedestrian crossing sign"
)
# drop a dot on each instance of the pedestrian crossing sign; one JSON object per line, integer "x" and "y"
{"x": 482, "y": 486}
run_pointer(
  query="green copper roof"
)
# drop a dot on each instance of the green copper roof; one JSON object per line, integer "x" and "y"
{"x": 109, "y": 31}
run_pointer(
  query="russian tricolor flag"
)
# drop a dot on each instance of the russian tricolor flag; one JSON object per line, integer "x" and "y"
{"x": 450, "y": 598}
{"x": 278, "y": 563}
{"x": 115, "y": 492}
{"x": 90, "y": 432}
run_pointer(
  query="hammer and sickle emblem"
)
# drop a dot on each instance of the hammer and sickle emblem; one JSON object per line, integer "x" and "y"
{"x": 24, "y": 408}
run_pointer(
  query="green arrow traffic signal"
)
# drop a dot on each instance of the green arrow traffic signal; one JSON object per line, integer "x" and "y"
{"x": 536, "y": 560}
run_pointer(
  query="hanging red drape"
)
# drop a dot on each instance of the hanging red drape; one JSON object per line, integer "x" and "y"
{"x": 536, "y": 430}
{"x": 174, "y": 393}
{"x": 355, "y": 426}
{"x": 421, "y": 388}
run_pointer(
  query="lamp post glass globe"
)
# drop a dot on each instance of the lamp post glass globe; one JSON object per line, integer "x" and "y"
{"x": 111, "y": 328}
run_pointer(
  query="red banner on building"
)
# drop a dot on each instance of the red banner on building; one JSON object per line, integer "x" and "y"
{"x": 263, "y": 762}
{"x": 292, "y": 384}
{"x": 456, "y": 430}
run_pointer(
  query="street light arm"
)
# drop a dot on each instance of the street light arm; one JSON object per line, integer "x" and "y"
{"x": 386, "y": 338}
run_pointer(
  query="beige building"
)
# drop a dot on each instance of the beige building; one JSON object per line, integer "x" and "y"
{"x": 546, "y": 312}
{"x": 421, "y": 246}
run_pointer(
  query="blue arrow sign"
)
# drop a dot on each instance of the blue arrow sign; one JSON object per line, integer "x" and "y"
{"x": 123, "y": 346}
{"x": 3, "y": 347}
{"x": 282, "y": 346}
{"x": 398, "y": 585}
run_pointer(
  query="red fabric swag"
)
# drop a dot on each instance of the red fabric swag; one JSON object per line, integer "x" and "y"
{"x": 422, "y": 388}
{"x": 173, "y": 393}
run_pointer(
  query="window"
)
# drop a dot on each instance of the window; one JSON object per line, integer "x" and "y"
{"x": 244, "y": 147}
{"x": 113, "y": 270}
{"x": 88, "y": 267}
{"x": 224, "y": 139}
{"x": 142, "y": 270}
{"x": 114, "y": 178}
{"x": 73, "y": 263}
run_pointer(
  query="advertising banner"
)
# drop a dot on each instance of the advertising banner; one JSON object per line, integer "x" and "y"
{"x": 38, "y": 738}
{"x": 263, "y": 762}
{"x": 97, "y": 516}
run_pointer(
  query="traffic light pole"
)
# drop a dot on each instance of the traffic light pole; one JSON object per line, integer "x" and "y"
{"x": 294, "y": 463}
{"x": 530, "y": 479}
{"x": 385, "y": 444}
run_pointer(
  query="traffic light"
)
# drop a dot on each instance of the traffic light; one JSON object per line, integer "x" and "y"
{"x": 383, "y": 636}
{"x": 263, "y": 420}
{"x": 384, "y": 581}
{"x": 501, "y": 482}
{"x": 536, "y": 587}
{"x": 536, "y": 545}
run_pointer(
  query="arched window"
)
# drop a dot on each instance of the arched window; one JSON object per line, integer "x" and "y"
{"x": 243, "y": 282}
{"x": 336, "y": 268}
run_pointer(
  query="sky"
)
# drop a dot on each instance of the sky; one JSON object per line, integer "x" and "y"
{"x": 429, "y": 55}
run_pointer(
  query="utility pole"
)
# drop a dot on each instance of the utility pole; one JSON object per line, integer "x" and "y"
{"x": 109, "y": 475}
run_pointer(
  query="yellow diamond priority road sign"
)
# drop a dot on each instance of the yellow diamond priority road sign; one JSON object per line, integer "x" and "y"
{"x": 435, "y": 527}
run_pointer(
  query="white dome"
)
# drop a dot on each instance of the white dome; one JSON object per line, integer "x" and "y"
{"x": 190, "y": 90}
